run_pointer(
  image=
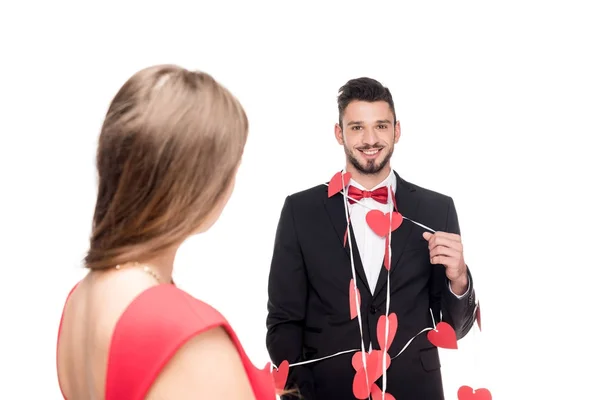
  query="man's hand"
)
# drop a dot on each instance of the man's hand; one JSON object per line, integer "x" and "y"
{"x": 447, "y": 249}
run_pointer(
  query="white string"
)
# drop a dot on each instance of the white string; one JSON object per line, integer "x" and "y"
{"x": 433, "y": 320}
{"x": 370, "y": 208}
{"x": 477, "y": 350}
{"x": 359, "y": 316}
{"x": 353, "y": 350}
{"x": 387, "y": 307}
{"x": 411, "y": 339}
{"x": 417, "y": 223}
{"x": 323, "y": 358}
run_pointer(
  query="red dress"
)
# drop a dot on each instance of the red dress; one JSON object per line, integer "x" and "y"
{"x": 152, "y": 328}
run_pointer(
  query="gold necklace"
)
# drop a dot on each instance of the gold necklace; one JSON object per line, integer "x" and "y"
{"x": 146, "y": 269}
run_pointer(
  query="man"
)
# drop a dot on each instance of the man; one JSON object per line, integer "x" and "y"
{"x": 309, "y": 282}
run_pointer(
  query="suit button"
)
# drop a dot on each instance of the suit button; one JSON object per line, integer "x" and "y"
{"x": 374, "y": 310}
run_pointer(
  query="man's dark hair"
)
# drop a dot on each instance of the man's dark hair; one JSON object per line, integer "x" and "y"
{"x": 363, "y": 89}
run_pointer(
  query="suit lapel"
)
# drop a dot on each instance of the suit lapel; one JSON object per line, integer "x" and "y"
{"x": 336, "y": 211}
{"x": 407, "y": 204}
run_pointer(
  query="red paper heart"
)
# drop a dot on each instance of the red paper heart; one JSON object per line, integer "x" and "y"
{"x": 280, "y": 375}
{"x": 377, "y": 393}
{"x": 393, "y": 327}
{"x": 353, "y": 292}
{"x": 357, "y": 362}
{"x": 360, "y": 386}
{"x": 478, "y": 316}
{"x": 380, "y": 222}
{"x": 335, "y": 184}
{"x": 467, "y": 393}
{"x": 269, "y": 367}
{"x": 443, "y": 336}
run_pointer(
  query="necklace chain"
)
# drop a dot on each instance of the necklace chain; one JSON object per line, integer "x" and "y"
{"x": 146, "y": 269}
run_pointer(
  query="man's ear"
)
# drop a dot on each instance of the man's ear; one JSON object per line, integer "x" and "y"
{"x": 339, "y": 133}
{"x": 397, "y": 132}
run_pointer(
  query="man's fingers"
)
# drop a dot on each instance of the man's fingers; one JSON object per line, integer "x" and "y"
{"x": 444, "y": 260}
{"x": 444, "y": 251}
{"x": 451, "y": 236}
{"x": 444, "y": 241}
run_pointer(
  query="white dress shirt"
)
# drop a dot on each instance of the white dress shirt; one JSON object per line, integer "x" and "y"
{"x": 370, "y": 246}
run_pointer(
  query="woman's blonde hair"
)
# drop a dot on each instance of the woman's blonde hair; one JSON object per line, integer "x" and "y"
{"x": 292, "y": 393}
{"x": 169, "y": 146}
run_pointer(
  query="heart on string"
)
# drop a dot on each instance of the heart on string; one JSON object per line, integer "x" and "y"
{"x": 268, "y": 368}
{"x": 354, "y": 293}
{"x": 377, "y": 394}
{"x": 372, "y": 357}
{"x": 380, "y": 222}
{"x": 393, "y": 327}
{"x": 443, "y": 336}
{"x": 467, "y": 393}
{"x": 336, "y": 184}
{"x": 478, "y": 316}
{"x": 280, "y": 375}
{"x": 360, "y": 387}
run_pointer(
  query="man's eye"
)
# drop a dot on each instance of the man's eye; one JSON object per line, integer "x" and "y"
{"x": 356, "y": 127}
{"x": 382, "y": 127}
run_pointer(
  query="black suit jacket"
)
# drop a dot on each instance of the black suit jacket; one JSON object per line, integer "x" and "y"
{"x": 309, "y": 309}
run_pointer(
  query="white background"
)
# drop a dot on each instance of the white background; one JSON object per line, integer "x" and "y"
{"x": 499, "y": 107}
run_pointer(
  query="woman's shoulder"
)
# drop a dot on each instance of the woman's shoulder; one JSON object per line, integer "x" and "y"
{"x": 169, "y": 294}
{"x": 163, "y": 306}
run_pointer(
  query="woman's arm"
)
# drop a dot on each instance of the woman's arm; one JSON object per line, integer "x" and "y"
{"x": 208, "y": 366}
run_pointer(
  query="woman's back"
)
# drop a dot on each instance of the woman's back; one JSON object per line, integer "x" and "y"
{"x": 124, "y": 337}
{"x": 89, "y": 318}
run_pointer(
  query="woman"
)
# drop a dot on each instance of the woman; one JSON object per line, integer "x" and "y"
{"x": 167, "y": 159}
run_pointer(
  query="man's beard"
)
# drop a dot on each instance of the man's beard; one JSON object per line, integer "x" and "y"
{"x": 371, "y": 168}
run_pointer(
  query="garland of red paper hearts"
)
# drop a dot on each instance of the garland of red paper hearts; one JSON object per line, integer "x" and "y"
{"x": 363, "y": 353}
{"x": 383, "y": 225}
{"x": 442, "y": 335}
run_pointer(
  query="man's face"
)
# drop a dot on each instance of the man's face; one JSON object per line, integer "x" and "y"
{"x": 368, "y": 135}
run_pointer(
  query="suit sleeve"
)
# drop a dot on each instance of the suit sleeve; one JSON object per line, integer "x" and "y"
{"x": 459, "y": 312}
{"x": 287, "y": 293}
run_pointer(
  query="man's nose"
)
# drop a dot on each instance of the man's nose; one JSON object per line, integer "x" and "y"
{"x": 369, "y": 136}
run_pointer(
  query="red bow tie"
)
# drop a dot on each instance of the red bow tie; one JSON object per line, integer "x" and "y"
{"x": 380, "y": 194}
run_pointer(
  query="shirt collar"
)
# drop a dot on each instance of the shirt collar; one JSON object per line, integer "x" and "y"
{"x": 389, "y": 180}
